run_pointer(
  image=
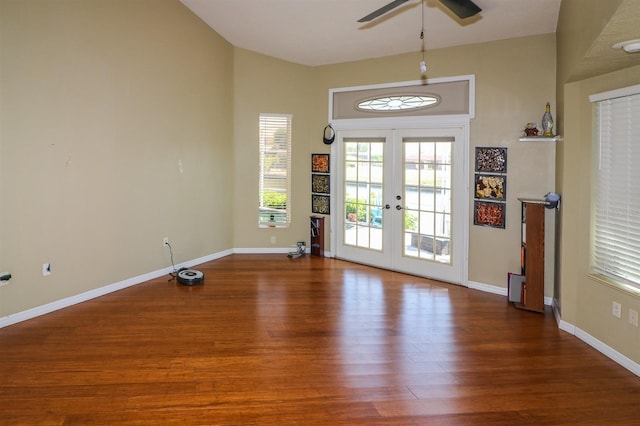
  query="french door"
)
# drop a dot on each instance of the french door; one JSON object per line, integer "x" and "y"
{"x": 401, "y": 197}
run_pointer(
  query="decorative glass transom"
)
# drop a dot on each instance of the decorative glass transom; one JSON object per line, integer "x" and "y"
{"x": 398, "y": 103}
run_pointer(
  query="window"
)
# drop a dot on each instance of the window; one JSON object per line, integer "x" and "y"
{"x": 398, "y": 102}
{"x": 275, "y": 170}
{"x": 615, "y": 251}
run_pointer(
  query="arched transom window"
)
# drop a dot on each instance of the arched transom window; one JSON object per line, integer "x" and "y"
{"x": 398, "y": 102}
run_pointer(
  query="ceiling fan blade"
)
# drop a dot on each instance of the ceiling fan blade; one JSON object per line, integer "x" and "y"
{"x": 462, "y": 8}
{"x": 382, "y": 10}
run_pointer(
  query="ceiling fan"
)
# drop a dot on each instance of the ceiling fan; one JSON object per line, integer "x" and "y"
{"x": 462, "y": 8}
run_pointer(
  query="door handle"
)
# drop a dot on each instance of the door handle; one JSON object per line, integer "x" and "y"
{"x": 387, "y": 206}
{"x": 398, "y": 207}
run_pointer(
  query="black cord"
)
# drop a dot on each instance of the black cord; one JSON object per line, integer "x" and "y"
{"x": 174, "y": 273}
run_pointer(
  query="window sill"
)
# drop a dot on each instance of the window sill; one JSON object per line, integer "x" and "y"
{"x": 273, "y": 225}
{"x": 616, "y": 285}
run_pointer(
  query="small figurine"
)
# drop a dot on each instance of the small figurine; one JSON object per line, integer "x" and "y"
{"x": 531, "y": 129}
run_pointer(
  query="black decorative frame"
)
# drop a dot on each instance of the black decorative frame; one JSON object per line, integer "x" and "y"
{"x": 491, "y": 160}
{"x": 489, "y": 213}
{"x": 320, "y": 163}
{"x": 320, "y": 204}
{"x": 320, "y": 183}
{"x": 492, "y": 187}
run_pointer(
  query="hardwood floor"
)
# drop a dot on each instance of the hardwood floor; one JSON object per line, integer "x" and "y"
{"x": 269, "y": 340}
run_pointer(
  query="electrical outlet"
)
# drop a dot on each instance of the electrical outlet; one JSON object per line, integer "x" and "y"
{"x": 616, "y": 310}
{"x": 46, "y": 269}
{"x": 633, "y": 317}
{"x": 273, "y": 239}
{"x": 165, "y": 241}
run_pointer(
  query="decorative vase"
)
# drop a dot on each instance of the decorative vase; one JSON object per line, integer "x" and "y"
{"x": 547, "y": 122}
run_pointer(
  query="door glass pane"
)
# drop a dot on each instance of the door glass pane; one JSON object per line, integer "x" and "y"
{"x": 427, "y": 198}
{"x": 363, "y": 192}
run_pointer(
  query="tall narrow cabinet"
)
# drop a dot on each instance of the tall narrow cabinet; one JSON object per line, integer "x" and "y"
{"x": 317, "y": 235}
{"x": 532, "y": 254}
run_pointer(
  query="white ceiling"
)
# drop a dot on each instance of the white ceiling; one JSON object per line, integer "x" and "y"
{"x": 321, "y": 32}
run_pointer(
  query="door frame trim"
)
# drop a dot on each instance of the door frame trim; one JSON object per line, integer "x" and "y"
{"x": 462, "y": 121}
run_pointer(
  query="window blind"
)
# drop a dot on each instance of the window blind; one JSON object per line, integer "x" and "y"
{"x": 616, "y": 215}
{"x": 275, "y": 169}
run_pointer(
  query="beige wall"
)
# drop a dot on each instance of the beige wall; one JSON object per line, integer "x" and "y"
{"x": 266, "y": 85}
{"x": 509, "y": 93}
{"x": 115, "y": 131}
{"x": 585, "y": 302}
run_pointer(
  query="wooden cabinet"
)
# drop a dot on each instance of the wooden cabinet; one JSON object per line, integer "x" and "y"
{"x": 532, "y": 255}
{"x": 317, "y": 235}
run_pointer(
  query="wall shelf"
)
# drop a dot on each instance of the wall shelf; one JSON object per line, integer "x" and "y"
{"x": 540, "y": 138}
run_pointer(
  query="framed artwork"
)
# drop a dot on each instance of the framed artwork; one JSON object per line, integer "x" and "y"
{"x": 492, "y": 187}
{"x": 320, "y": 163}
{"x": 491, "y": 160}
{"x": 320, "y": 183}
{"x": 320, "y": 204}
{"x": 487, "y": 213}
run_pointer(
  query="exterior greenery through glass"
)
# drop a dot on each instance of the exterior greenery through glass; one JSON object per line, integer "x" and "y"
{"x": 275, "y": 170}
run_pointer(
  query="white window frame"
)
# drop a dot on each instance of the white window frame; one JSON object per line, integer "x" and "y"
{"x": 269, "y": 124}
{"x": 615, "y": 219}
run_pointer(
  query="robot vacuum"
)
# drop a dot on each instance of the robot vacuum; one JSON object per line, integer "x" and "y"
{"x": 190, "y": 277}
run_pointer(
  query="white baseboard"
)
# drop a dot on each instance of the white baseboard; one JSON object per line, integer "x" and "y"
{"x": 487, "y": 288}
{"x": 601, "y": 347}
{"x": 273, "y": 251}
{"x": 502, "y": 291}
{"x": 616, "y": 356}
{"x": 276, "y": 250}
{"x": 101, "y": 291}
{"x": 205, "y": 259}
